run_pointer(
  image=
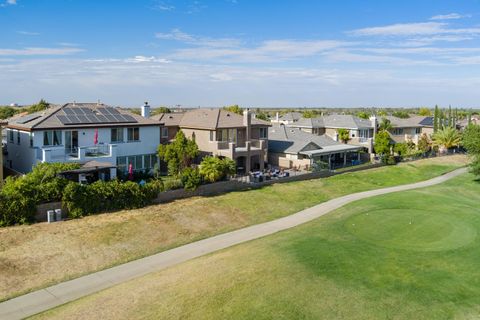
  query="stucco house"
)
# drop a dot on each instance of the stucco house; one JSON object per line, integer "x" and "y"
{"x": 83, "y": 132}
{"x": 222, "y": 133}
{"x": 361, "y": 131}
{"x": 409, "y": 129}
{"x": 294, "y": 148}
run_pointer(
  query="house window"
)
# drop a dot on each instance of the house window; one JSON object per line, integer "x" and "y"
{"x": 165, "y": 132}
{"x": 117, "y": 135}
{"x": 397, "y": 131}
{"x": 149, "y": 161}
{"x": 133, "y": 134}
{"x": 263, "y": 133}
{"x": 122, "y": 164}
{"x": 227, "y": 135}
{"x": 212, "y": 135}
{"x": 18, "y": 137}
{"x": 31, "y": 139}
{"x": 52, "y": 138}
{"x": 418, "y": 130}
{"x": 10, "y": 135}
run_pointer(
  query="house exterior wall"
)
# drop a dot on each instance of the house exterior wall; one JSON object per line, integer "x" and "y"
{"x": 428, "y": 131}
{"x": 24, "y": 156}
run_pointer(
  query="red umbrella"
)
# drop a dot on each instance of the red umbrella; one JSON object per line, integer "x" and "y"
{"x": 130, "y": 172}
{"x": 95, "y": 137}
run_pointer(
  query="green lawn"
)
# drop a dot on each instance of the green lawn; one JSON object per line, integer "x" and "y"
{"x": 29, "y": 253}
{"x": 407, "y": 255}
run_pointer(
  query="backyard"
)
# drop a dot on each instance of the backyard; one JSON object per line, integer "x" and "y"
{"x": 34, "y": 256}
{"x": 405, "y": 255}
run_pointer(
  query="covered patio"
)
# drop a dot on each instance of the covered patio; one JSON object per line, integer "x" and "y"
{"x": 335, "y": 156}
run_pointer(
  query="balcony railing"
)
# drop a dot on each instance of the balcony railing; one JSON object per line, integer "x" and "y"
{"x": 62, "y": 154}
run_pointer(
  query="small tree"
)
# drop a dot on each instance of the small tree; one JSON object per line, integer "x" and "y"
{"x": 424, "y": 112}
{"x": 343, "y": 135}
{"x": 382, "y": 143}
{"x": 179, "y": 154}
{"x": 40, "y": 106}
{"x": 235, "y": 109}
{"x": 363, "y": 115}
{"x": 400, "y": 148}
{"x": 424, "y": 144}
{"x": 385, "y": 125}
{"x": 436, "y": 119}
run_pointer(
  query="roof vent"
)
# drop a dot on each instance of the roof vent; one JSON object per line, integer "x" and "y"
{"x": 228, "y": 114}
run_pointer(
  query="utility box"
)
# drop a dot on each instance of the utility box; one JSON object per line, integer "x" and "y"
{"x": 50, "y": 216}
{"x": 58, "y": 214}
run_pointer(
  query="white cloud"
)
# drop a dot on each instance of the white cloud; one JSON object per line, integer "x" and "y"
{"x": 402, "y": 29}
{"x": 178, "y": 35}
{"x": 28, "y": 33}
{"x": 38, "y": 51}
{"x": 164, "y": 6}
{"x": 140, "y": 59}
{"x": 8, "y": 3}
{"x": 450, "y": 16}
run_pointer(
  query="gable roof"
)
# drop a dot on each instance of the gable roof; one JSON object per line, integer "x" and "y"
{"x": 346, "y": 121}
{"x": 169, "y": 119}
{"x": 56, "y": 118}
{"x": 309, "y": 123}
{"x": 290, "y": 116}
{"x": 412, "y": 122}
{"x": 286, "y": 139}
{"x": 210, "y": 119}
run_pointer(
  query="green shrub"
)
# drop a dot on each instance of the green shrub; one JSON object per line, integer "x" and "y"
{"x": 172, "y": 184}
{"x": 20, "y": 195}
{"x": 104, "y": 196}
{"x": 191, "y": 178}
{"x": 213, "y": 168}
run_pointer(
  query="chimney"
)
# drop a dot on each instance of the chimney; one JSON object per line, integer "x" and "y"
{"x": 276, "y": 117}
{"x": 373, "y": 120}
{"x": 247, "y": 122}
{"x": 146, "y": 110}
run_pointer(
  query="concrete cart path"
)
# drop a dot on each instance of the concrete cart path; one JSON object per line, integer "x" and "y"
{"x": 44, "y": 299}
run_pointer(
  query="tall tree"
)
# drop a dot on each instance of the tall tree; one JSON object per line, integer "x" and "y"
{"x": 382, "y": 143}
{"x": 436, "y": 116}
{"x": 385, "y": 125}
{"x": 471, "y": 142}
{"x": 449, "y": 116}
{"x": 179, "y": 154}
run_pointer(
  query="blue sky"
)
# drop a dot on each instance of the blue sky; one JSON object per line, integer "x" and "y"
{"x": 252, "y": 53}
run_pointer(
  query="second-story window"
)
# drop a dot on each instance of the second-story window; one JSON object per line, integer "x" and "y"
{"x": 18, "y": 137}
{"x": 165, "y": 132}
{"x": 31, "y": 139}
{"x": 418, "y": 130}
{"x": 398, "y": 131}
{"x": 263, "y": 133}
{"x": 133, "y": 134}
{"x": 10, "y": 135}
{"x": 117, "y": 135}
{"x": 52, "y": 138}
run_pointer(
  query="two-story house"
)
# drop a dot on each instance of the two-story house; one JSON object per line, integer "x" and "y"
{"x": 222, "y": 133}
{"x": 409, "y": 129}
{"x": 83, "y": 132}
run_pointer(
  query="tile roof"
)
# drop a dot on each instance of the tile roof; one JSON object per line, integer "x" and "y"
{"x": 412, "y": 122}
{"x": 286, "y": 139}
{"x": 48, "y": 119}
{"x": 207, "y": 119}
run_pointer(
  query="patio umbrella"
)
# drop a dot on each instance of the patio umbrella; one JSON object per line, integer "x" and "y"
{"x": 95, "y": 137}
{"x": 130, "y": 172}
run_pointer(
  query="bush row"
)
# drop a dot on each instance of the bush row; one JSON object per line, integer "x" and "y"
{"x": 101, "y": 196}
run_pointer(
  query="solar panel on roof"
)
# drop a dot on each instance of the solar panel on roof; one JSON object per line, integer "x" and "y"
{"x": 83, "y": 119}
{"x": 87, "y": 110}
{"x": 112, "y": 110}
{"x": 110, "y": 118}
{"x": 68, "y": 111}
{"x": 102, "y": 118}
{"x": 64, "y": 119}
{"x": 26, "y": 119}
{"x": 128, "y": 118}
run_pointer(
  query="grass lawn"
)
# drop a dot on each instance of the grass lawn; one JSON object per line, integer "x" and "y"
{"x": 39, "y": 255}
{"x": 406, "y": 255}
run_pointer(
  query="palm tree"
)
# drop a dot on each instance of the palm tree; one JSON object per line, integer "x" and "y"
{"x": 385, "y": 125}
{"x": 447, "y": 138}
